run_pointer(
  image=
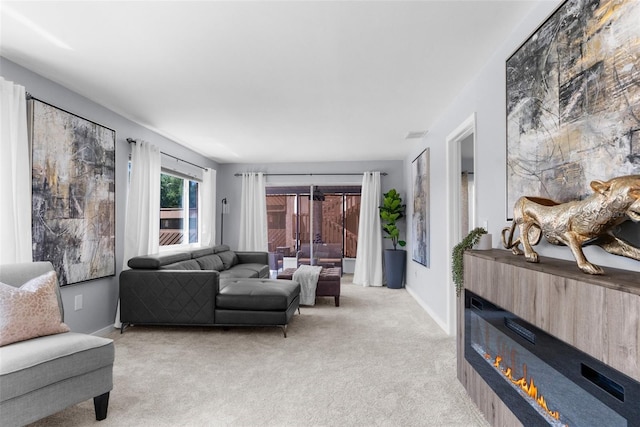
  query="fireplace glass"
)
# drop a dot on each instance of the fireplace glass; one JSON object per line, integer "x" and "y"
{"x": 543, "y": 380}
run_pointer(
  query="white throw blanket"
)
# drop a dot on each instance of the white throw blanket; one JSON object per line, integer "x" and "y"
{"x": 307, "y": 276}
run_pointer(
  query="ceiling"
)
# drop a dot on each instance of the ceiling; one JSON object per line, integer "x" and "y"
{"x": 259, "y": 82}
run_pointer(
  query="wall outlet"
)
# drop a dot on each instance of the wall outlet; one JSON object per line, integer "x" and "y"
{"x": 78, "y": 302}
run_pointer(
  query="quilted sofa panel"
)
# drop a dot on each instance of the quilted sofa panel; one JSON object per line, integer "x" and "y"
{"x": 168, "y": 296}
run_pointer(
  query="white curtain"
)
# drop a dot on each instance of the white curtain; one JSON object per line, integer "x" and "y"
{"x": 208, "y": 208}
{"x": 253, "y": 214}
{"x": 15, "y": 176}
{"x": 368, "y": 268}
{"x": 142, "y": 217}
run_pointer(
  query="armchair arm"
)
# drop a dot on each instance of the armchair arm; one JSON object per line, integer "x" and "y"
{"x": 246, "y": 257}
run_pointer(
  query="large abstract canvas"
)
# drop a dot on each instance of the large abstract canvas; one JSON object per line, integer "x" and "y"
{"x": 573, "y": 101}
{"x": 73, "y": 184}
{"x": 420, "y": 219}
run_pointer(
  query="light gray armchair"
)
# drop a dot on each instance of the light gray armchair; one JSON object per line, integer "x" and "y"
{"x": 43, "y": 375}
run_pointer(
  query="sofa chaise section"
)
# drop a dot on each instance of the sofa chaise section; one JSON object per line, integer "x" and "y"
{"x": 256, "y": 302}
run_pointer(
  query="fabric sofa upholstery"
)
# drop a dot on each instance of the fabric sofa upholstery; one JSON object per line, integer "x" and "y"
{"x": 44, "y": 375}
{"x": 212, "y": 286}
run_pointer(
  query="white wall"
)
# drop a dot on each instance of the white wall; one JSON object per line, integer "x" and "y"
{"x": 485, "y": 95}
{"x": 100, "y": 295}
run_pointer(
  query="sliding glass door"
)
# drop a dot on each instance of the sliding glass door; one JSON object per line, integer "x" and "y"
{"x": 319, "y": 226}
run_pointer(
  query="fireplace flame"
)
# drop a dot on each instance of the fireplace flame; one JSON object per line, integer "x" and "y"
{"x": 528, "y": 386}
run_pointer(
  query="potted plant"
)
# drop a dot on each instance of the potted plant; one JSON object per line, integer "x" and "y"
{"x": 391, "y": 211}
{"x": 457, "y": 256}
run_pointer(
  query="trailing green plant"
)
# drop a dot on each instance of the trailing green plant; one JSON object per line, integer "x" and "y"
{"x": 457, "y": 256}
{"x": 391, "y": 211}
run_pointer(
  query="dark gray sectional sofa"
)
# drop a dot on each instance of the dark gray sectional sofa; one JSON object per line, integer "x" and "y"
{"x": 212, "y": 286}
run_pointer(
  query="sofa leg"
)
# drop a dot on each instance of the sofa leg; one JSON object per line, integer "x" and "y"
{"x": 284, "y": 330}
{"x": 100, "y": 404}
{"x": 337, "y": 298}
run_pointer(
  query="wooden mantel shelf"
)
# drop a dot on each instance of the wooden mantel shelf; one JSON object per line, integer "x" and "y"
{"x": 613, "y": 278}
{"x": 599, "y": 315}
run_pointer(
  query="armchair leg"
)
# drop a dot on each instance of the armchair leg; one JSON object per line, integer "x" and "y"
{"x": 101, "y": 403}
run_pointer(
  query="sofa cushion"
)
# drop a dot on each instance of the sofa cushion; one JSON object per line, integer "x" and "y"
{"x": 237, "y": 272}
{"x": 257, "y": 294}
{"x": 155, "y": 261}
{"x": 32, "y": 364}
{"x": 229, "y": 259}
{"x": 261, "y": 270}
{"x": 190, "y": 264}
{"x": 210, "y": 262}
{"x": 31, "y": 310}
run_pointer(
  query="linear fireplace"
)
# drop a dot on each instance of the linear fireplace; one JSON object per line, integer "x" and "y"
{"x": 542, "y": 380}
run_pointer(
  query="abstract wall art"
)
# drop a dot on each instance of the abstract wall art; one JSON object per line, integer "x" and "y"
{"x": 420, "y": 220}
{"x": 573, "y": 101}
{"x": 73, "y": 193}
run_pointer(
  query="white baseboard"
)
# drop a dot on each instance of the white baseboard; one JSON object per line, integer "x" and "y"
{"x": 444, "y": 325}
{"x": 104, "y": 332}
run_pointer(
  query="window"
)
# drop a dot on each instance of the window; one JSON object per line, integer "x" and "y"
{"x": 178, "y": 210}
{"x": 335, "y": 220}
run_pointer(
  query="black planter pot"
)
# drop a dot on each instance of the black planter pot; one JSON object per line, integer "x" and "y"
{"x": 394, "y": 265}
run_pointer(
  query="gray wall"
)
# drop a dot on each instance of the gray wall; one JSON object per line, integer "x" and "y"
{"x": 100, "y": 295}
{"x": 230, "y": 186}
{"x": 485, "y": 95}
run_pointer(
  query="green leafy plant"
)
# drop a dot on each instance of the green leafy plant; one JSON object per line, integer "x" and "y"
{"x": 457, "y": 256}
{"x": 391, "y": 211}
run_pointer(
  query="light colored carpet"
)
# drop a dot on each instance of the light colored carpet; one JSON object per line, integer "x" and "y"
{"x": 377, "y": 360}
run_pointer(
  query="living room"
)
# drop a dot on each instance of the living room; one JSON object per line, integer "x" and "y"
{"x": 481, "y": 98}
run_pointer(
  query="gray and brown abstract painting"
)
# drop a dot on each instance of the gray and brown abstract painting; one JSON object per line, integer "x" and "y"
{"x": 573, "y": 101}
{"x": 420, "y": 220}
{"x": 73, "y": 184}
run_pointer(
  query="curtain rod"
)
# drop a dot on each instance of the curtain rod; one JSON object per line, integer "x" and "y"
{"x": 133, "y": 141}
{"x": 312, "y": 174}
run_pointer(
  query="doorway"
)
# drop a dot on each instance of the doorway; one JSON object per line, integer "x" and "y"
{"x": 461, "y": 197}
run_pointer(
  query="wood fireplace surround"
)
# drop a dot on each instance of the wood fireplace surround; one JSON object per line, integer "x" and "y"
{"x": 599, "y": 315}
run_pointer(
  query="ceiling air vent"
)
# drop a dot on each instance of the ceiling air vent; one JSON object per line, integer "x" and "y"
{"x": 416, "y": 134}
